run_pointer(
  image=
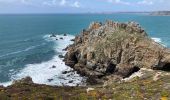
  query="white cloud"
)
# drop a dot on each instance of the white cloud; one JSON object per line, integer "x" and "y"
{"x": 50, "y": 3}
{"x": 63, "y": 2}
{"x": 119, "y": 2}
{"x": 76, "y": 4}
{"x": 145, "y": 2}
{"x": 12, "y": 1}
{"x": 20, "y": 2}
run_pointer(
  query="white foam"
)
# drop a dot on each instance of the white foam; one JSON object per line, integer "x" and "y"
{"x": 158, "y": 40}
{"x": 43, "y": 72}
{"x": 27, "y": 49}
{"x": 6, "y": 83}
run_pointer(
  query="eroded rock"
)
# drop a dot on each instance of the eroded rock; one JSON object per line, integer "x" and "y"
{"x": 115, "y": 48}
{"x": 27, "y": 80}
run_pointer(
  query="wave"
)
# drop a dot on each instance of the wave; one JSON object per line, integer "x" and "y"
{"x": 158, "y": 40}
{"x": 44, "y": 73}
{"x": 25, "y": 50}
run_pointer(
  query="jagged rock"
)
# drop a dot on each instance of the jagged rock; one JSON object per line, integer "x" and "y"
{"x": 1, "y": 87}
{"x": 65, "y": 72}
{"x": 115, "y": 48}
{"x": 71, "y": 81}
{"x": 61, "y": 56}
{"x": 72, "y": 40}
{"x": 27, "y": 80}
{"x": 53, "y": 66}
{"x": 52, "y": 35}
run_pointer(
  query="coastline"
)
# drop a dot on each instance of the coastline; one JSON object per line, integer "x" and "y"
{"x": 142, "y": 82}
{"x": 53, "y": 72}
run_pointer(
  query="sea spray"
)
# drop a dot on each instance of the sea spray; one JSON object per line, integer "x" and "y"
{"x": 51, "y": 72}
{"x": 158, "y": 40}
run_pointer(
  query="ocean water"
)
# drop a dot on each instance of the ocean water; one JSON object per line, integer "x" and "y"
{"x": 27, "y": 50}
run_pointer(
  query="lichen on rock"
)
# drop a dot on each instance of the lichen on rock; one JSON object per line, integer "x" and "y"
{"x": 115, "y": 48}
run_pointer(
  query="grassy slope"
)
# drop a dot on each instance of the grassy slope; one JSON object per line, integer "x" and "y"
{"x": 137, "y": 89}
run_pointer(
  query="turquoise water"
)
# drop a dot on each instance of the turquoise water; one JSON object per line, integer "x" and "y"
{"x": 23, "y": 42}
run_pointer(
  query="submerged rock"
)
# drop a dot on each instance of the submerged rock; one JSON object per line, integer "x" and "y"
{"x": 72, "y": 40}
{"x": 53, "y": 66}
{"x": 64, "y": 72}
{"x": 71, "y": 81}
{"x": 49, "y": 80}
{"x": 65, "y": 34}
{"x": 52, "y": 35}
{"x": 115, "y": 48}
{"x": 61, "y": 38}
{"x": 61, "y": 56}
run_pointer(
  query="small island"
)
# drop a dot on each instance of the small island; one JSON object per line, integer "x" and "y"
{"x": 160, "y": 13}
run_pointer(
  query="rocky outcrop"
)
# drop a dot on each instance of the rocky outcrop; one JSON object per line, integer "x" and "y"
{"x": 27, "y": 80}
{"x": 114, "y": 49}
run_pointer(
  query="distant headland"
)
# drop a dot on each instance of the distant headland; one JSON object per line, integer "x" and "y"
{"x": 161, "y": 13}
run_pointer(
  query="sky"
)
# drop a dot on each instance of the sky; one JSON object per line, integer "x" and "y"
{"x": 81, "y": 6}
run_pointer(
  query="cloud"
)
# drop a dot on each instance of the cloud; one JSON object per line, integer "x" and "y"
{"x": 119, "y": 2}
{"x": 16, "y": 2}
{"x": 50, "y": 3}
{"x": 140, "y": 2}
{"x": 11, "y": 1}
{"x": 76, "y": 4}
{"x": 145, "y": 2}
{"x": 63, "y": 2}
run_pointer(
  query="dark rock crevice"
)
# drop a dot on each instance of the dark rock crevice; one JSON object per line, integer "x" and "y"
{"x": 111, "y": 68}
{"x": 132, "y": 71}
{"x": 166, "y": 67}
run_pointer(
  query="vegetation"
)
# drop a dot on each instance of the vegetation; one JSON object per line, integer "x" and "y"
{"x": 138, "y": 88}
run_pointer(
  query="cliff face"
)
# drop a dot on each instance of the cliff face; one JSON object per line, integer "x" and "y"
{"x": 115, "y": 49}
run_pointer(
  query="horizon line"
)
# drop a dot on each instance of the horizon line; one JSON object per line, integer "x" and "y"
{"x": 114, "y": 12}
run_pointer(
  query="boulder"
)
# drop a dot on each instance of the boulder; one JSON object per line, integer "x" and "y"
{"x": 26, "y": 80}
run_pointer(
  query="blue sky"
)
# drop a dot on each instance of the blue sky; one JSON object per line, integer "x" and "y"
{"x": 81, "y": 6}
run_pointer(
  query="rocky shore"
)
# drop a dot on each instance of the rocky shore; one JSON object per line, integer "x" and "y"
{"x": 120, "y": 61}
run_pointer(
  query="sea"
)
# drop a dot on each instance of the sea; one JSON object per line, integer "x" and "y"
{"x": 26, "y": 48}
